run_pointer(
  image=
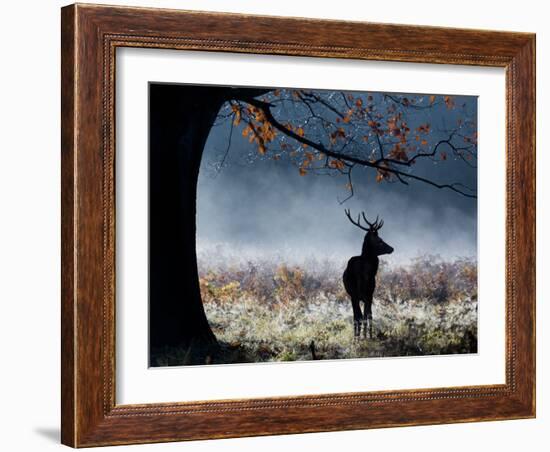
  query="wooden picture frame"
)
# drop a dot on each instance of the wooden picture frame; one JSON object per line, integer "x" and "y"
{"x": 90, "y": 36}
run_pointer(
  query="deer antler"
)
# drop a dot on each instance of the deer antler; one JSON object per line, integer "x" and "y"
{"x": 377, "y": 225}
{"x": 367, "y": 221}
{"x": 358, "y": 222}
{"x": 372, "y": 226}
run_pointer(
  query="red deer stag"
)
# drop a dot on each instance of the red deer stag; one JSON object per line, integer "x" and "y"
{"x": 360, "y": 274}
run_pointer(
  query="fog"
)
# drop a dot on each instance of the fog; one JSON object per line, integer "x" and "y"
{"x": 264, "y": 209}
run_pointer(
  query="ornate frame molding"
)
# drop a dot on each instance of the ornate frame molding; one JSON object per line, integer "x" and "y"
{"x": 90, "y": 36}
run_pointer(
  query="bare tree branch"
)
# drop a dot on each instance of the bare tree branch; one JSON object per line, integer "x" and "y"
{"x": 380, "y": 164}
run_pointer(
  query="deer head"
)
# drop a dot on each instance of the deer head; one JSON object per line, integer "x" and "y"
{"x": 373, "y": 245}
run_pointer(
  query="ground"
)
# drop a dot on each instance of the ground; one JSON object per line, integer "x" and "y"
{"x": 263, "y": 311}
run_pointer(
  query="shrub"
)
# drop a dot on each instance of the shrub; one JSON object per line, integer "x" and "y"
{"x": 261, "y": 310}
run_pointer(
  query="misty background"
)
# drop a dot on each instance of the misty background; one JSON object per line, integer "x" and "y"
{"x": 251, "y": 207}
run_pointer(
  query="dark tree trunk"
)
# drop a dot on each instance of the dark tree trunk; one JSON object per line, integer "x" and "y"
{"x": 180, "y": 119}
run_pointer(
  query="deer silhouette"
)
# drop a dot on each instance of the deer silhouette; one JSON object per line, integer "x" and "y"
{"x": 360, "y": 274}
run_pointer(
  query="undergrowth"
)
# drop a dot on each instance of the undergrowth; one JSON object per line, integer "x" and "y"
{"x": 263, "y": 311}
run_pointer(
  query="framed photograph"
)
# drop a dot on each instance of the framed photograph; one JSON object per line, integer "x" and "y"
{"x": 281, "y": 225}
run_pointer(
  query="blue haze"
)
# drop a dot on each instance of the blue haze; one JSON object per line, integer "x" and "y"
{"x": 263, "y": 207}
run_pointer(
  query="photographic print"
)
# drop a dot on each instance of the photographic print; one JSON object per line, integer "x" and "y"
{"x": 294, "y": 224}
{"x": 266, "y": 231}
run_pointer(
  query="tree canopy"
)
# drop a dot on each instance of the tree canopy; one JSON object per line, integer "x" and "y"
{"x": 326, "y": 132}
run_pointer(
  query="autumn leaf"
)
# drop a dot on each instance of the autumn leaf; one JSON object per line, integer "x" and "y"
{"x": 339, "y": 133}
{"x": 246, "y": 131}
{"x": 302, "y": 171}
{"x": 359, "y": 102}
{"x": 379, "y": 177}
{"x": 398, "y": 153}
{"x": 424, "y": 142}
{"x": 423, "y": 128}
{"x": 432, "y": 99}
{"x": 443, "y": 155}
{"x": 337, "y": 164}
{"x": 237, "y": 119}
{"x": 300, "y": 131}
{"x": 373, "y": 124}
{"x": 449, "y": 102}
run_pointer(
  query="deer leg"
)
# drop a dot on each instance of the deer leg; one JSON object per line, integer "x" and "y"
{"x": 364, "y": 322}
{"x": 370, "y": 326}
{"x": 368, "y": 319}
{"x": 357, "y": 316}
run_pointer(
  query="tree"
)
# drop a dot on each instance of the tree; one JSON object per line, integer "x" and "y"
{"x": 321, "y": 132}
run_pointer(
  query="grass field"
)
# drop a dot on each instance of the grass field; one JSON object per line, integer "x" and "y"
{"x": 263, "y": 311}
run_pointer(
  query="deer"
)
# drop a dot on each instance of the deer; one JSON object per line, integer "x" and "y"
{"x": 360, "y": 274}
